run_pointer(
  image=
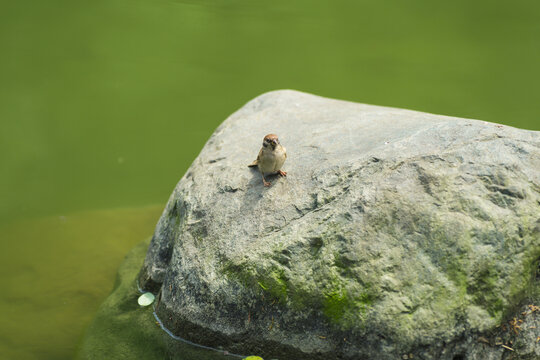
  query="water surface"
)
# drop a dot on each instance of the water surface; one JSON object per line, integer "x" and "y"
{"x": 105, "y": 103}
{"x": 56, "y": 270}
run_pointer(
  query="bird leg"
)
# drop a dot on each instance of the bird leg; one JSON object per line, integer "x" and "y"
{"x": 265, "y": 183}
{"x": 282, "y": 173}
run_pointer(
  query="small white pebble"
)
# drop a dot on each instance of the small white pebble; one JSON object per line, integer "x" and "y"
{"x": 146, "y": 299}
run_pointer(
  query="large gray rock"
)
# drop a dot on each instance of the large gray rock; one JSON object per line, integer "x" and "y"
{"x": 395, "y": 232}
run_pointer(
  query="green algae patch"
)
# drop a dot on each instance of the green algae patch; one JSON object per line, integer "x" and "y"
{"x": 122, "y": 329}
{"x": 345, "y": 310}
{"x": 272, "y": 280}
{"x": 275, "y": 283}
{"x": 336, "y": 304}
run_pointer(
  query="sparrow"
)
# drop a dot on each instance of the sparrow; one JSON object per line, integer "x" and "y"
{"x": 270, "y": 158}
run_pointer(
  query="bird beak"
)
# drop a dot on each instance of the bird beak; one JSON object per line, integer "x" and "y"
{"x": 274, "y": 142}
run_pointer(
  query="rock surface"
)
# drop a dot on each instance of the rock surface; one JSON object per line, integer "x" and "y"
{"x": 395, "y": 232}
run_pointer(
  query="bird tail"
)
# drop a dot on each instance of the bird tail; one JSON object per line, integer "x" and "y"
{"x": 253, "y": 164}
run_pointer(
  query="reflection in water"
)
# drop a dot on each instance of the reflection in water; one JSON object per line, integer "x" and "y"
{"x": 105, "y": 103}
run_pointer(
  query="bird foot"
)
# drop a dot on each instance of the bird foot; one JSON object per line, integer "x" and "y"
{"x": 282, "y": 173}
{"x": 266, "y": 183}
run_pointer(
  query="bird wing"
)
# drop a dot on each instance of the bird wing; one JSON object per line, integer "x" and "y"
{"x": 256, "y": 161}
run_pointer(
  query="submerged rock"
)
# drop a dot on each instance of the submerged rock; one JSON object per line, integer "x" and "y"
{"x": 122, "y": 329}
{"x": 395, "y": 233}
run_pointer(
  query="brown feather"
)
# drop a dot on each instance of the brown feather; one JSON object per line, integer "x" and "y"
{"x": 256, "y": 161}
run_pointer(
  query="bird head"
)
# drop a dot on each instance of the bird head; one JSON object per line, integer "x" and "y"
{"x": 270, "y": 140}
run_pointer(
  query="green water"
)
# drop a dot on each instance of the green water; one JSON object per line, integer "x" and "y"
{"x": 55, "y": 273}
{"x": 105, "y": 103}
